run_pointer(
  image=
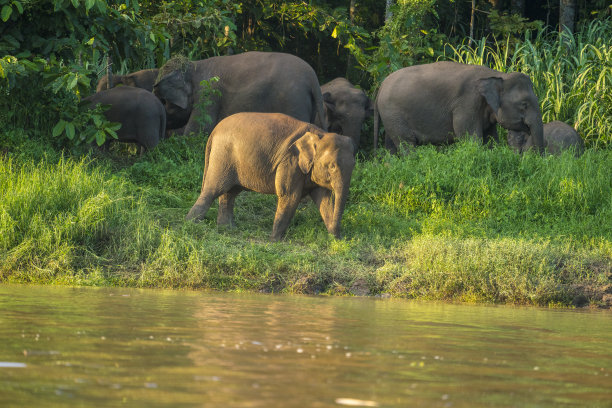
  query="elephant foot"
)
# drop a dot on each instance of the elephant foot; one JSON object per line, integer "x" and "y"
{"x": 195, "y": 214}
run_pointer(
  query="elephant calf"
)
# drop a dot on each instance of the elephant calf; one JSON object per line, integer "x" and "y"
{"x": 141, "y": 114}
{"x": 558, "y": 136}
{"x": 273, "y": 153}
{"x": 346, "y": 107}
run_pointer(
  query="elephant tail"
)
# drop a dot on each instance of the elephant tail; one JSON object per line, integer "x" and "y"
{"x": 376, "y": 118}
{"x": 206, "y": 156}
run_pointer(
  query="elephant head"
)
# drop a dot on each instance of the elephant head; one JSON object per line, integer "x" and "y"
{"x": 346, "y": 108}
{"x": 515, "y": 106}
{"x": 174, "y": 83}
{"x": 329, "y": 159}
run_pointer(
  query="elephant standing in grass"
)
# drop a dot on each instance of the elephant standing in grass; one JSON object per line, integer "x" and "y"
{"x": 249, "y": 82}
{"x": 140, "y": 79}
{"x": 346, "y": 108}
{"x": 273, "y": 153}
{"x": 141, "y": 114}
{"x": 558, "y": 136}
{"x": 439, "y": 102}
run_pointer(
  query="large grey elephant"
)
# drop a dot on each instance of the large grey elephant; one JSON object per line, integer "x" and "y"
{"x": 249, "y": 82}
{"x": 140, "y": 79}
{"x": 346, "y": 108}
{"x": 141, "y": 114}
{"x": 439, "y": 102}
{"x": 273, "y": 153}
{"x": 558, "y": 136}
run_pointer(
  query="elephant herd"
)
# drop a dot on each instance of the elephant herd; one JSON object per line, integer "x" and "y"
{"x": 275, "y": 130}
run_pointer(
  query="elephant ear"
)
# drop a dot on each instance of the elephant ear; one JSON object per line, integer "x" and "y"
{"x": 328, "y": 101}
{"x": 174, "y": 89}
{"x": 307, "y": 147}
{"x": 490, "y": 89}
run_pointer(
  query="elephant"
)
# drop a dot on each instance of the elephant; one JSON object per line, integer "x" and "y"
{"x": 140, "y": 79}
{"x": 558, "y": 136}
{"x": 274, "y": 153}
{"x": 141, "y": 114}
{"x": 346, "y": 107}
{"x": 439, "y": 102}
{"x": 248, "y": 82}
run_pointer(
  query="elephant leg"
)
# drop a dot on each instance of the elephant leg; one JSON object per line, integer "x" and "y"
{"x": 285, "y": 210}
{"x": 201, "y": 207}
{"x": 490, "y": 135}
{"x": 322, "y": 198}
{"x": 225, "y": 215}
{"x": 467, "y": 124}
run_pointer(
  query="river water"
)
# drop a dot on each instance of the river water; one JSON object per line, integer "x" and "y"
{"x": 97, "y": 347}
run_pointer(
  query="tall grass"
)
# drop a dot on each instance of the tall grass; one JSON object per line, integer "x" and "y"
{"x": 571, "y": 73}
{"x": 463, "y": 223}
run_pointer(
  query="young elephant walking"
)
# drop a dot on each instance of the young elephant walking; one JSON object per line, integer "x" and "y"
{"x": 273, "y": 153}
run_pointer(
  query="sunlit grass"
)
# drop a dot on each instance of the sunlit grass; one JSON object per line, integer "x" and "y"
{"x": 572, "y": 74}
{"x": 460, "y": 223}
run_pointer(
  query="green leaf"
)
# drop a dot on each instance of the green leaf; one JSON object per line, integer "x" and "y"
{"x": 6, "y": 13}
{"x": 89, "y": 4}
{"x": 75, "y": 3}
{"x": 70, "y": 131}
{"x": 59, "y": 128}
{"x": 100, "y": 137}
{"x": 19, "y": 6}
{"x": 112, "y": 133}
{"x": 73, "y": 82}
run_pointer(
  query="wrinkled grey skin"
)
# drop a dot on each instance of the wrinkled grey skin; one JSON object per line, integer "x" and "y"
{"x": 437, "y": 103}
{"x": 346, "y": 107}
{"x": 273, "y": 153}
{"x": 558, "y": 136}
{"x": 140, "y": 79}
{"x": 249, "y": 82}
{"x": 141, "y": 114}
{"x": 175, "y": 117}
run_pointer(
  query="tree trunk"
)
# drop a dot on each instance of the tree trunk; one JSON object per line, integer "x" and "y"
{"x": 472, "y": 22}
{"x": 567, "y": 14}
{"x": 388, "y": 14}
{"x": 517, "y": 7}
{"x": 109, "y": 71}
{"x": 351, "y": 17}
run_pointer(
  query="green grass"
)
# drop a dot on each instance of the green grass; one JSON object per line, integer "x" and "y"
{"x": 460, "y": 223}
{"x": 571, "y": 74}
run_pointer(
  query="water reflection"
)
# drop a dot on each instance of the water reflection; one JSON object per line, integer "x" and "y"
{"x": 148, "y": 348}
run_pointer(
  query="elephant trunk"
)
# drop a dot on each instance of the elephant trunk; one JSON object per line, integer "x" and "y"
{"x": 536, "y": 133}
{"x": 341, "y": 190}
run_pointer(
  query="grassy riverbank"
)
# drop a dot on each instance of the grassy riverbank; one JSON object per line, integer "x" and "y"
{"x": 459, "y": 223}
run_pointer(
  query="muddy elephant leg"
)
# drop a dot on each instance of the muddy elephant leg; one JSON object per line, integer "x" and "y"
{"x": 285, "y": 211}
{"x": 225, "y": 216}
{"x": 322, "y": 198}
